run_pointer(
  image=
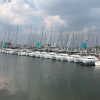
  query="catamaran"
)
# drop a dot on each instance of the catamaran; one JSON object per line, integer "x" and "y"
{"x": 90, "y": 60}
{"x": 14, "y": 52}
{"x": 77, "y": 58}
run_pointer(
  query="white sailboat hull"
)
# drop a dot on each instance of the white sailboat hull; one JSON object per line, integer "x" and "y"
{"x": 58, "y": 57}
{"x": 32, "y": 54}
{"x": 70, "y": 59}
{"x": 97, "y": 63}
{"x": 13, "y": 52}
{"x": 77, "y": 60}
{"x": 90, "y": 60}
{"x": 64, "y": 58}
{"x": 23, "y": 53}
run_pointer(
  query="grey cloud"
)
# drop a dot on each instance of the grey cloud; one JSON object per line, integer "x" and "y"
{"x": 72, "y": 11}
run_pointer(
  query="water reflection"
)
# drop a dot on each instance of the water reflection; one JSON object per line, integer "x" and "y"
{"x": 97, "y": 67}
{"x": 27, "y": 78}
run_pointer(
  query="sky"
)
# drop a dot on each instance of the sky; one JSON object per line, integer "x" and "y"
{"x": 50, "y": 13}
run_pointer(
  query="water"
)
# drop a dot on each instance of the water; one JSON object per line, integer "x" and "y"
{"x": 28, "y": 78}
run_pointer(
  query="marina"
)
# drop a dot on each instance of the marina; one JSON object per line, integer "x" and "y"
{"x": 85, "y": 59}
{"x": 49, "y": 50}
{"x": 31, "y": 78}
{"x": 49, "y": 71}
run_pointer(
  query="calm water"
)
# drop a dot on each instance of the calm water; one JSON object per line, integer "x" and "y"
{"x": 28, "y": 78}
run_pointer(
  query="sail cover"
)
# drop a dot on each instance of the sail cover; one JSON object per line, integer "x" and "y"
{"x": 38, "y": 44}
{"x": 4, "y": 45}
{"x": 83, "y": 45}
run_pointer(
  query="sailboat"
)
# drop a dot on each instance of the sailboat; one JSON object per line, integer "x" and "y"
{"x": 61, "y": 56}
{"x": 43, "y": 54}
{"x": 15, "y": 51}
{"x": 77, "y": 58}
{"x": 70, "y": 58}
{"x": 88, "y": 59}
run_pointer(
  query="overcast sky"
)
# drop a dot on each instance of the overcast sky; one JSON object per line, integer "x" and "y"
{"x": 49, "y": 13}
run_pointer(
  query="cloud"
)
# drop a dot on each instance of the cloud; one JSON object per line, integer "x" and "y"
{"x": 53, "y": 21}
{"x": 33, "y": 11}
{"x": 71, "y": 11}
{"x": 52, "y": 13}
{"x": 17, "y": 12}
{"x": 96, "y": 14}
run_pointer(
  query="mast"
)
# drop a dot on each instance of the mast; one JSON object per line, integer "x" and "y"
{"x": 54, "y": 39}
{"x": 73, "y": 41}
{"x": 8, "y": 40}
{"x": 33, "y": 41}
{"x": 41, "y": 40}
{"x": 70, "y": 38}
{"x": 66, "y": 41}
{"x": 16, "y": 36}
{"x": 29, "y": 41}
{"x": 97, "y": 44}
{"x": 51, "y": 37}
{"x": 87, "y": 38}
{"x": 37, "y": 37}
{"x": 45, "y": 39}
{"x": 30, "y": 35}
{"x": 5, "y": 36}
{"x": 61, "y": 36}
